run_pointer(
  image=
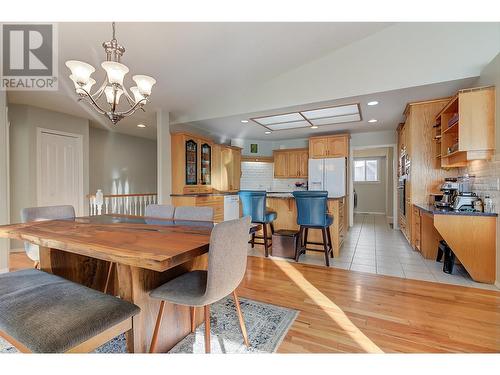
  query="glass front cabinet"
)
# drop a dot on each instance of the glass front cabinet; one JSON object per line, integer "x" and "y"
{"x": 191, "y": 164}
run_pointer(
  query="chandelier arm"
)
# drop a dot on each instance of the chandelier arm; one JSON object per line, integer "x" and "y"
{"x": 138, "y": 105}
{"x": 97, "y": 95}
{"x": 93, "y": 102}
{"x": 130, "y": 100}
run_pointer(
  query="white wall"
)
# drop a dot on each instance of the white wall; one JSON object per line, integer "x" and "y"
{"x": 24, "y": 122}
{"x": 4, "y": 181}
{"x": 121, "y": 164}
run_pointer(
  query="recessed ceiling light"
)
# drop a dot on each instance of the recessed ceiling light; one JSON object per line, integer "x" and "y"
{"x": 141, "y": 125}
{"x": 268, "y": 132}
{"x": 374, "y": 102}
{"x": 372, "y": 120}
{"x": 314, "y": 127}
{"x": 244, "y": 121}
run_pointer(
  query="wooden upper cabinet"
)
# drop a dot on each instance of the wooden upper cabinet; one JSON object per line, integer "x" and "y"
{"x": 281, "y": 164}
{"x": 227, "y": 168}
{"x": 333, "y": 146}
{"x": 291, "y": 163}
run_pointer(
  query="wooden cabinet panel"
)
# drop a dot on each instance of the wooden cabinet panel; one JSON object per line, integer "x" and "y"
{"x": 281, "y": 164}
{"x": 337, "y": 147}
{"x": 303, "y": 160}
{"x": 318, "y": 148}
{"x": 293, "y": 164}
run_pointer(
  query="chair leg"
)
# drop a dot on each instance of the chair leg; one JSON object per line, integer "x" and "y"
{"x": 253, "y": 240}
{"x": 325, "y": 245}
{"x": 266, "y": 245}
{"x": 306, "y": 233}
{"x": 36, "y": 265}
{"x": 240, "y": 318}
{"x": 329, "y": 235}
{"x": 207, "y": 328}
{"x": 154, "y": 340}
{"x": 298, "y": 250}
{"x": 272, "y": 227}
{"x": 192, "y": 311}
{"x": 108, "y": 278}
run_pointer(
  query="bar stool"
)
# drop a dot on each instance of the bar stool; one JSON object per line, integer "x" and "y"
{"x": 253, "y": 203}
{"x": 312, "y": 213}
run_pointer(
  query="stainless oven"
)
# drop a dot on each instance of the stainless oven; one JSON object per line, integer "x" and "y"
{"x": 402, "y": 195}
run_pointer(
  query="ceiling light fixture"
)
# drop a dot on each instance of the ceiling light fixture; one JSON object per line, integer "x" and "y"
{"x": 141, "y": 125}
{"x": 372, "y": 120}
{"x": 268, "y": 132}
{"x": 374, "y": 102}
{"x": 244, "y": 121}
{"x": 314, "y": 127}
{"x": 112, "y": 86}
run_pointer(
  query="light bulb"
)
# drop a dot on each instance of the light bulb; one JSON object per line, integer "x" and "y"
{"x": 110, "y": 95}
{"x": 144, "y": 84}
{"x": 80, "y": 71}
{"x": 115, "y": 71}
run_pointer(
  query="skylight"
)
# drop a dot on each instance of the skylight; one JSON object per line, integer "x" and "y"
{"x": 314, "y": 117}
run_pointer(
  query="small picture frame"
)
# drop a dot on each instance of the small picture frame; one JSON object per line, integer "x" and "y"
{"x": 254, "y": 148}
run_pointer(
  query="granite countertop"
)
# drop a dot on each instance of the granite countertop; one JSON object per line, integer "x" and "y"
{"x": 430, "y": 208}
{"x": 214, "y": 193}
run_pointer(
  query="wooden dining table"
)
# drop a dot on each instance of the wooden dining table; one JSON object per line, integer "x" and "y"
{"x": 147, "y": 252}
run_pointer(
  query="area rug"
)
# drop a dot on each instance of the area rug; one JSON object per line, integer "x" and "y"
{"x": 267, "y": 326}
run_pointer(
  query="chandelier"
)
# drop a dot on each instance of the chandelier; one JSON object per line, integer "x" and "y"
{"x": 112, "y": 87}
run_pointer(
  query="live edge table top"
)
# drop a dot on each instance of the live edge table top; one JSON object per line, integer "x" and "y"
{"x": 150, "y": 243}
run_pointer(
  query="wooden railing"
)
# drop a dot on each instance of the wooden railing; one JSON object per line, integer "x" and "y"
{"x": 127, "y": 204}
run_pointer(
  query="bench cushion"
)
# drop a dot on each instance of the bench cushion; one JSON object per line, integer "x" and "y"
{"x": 49, "y": 314}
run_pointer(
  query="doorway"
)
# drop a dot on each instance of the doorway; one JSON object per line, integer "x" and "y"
{"x": 60, "y": 169}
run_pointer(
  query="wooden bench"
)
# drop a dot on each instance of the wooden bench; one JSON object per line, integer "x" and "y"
{"x": 44, "y": 313}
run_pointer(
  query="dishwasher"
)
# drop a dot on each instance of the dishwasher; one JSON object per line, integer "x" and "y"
{"x": 231, "y": 207}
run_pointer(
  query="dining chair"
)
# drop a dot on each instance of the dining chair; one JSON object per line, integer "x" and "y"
{"x": 227, "y": 259}
{"x": 194, "y": 213}
{"x": 42, "y": 214}
{"x": 253, "y": 203}
{"x": 163, "y": 211}
{"x": 312, "y": 213}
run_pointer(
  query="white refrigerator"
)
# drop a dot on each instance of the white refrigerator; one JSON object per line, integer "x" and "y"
{"x": 328, "y": 174}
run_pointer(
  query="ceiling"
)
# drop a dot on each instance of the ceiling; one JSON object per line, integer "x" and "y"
{"x": 192, "y": 62}
{"x": 388, "y": 113}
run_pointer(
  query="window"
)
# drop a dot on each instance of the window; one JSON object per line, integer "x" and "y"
{"x": 366, "y": 170}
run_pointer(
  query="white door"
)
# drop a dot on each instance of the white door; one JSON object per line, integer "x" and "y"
{"x": 60, "y": 170}
{"x": 335, "y": 177}
{"x": 316, "y": 174}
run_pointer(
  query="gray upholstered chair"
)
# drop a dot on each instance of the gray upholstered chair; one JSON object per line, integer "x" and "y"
{"x": 227, "y": 259}
{"x": 41, "y": 214}
{"x": 164, "y": 211}
{"x": 194, "y": 213}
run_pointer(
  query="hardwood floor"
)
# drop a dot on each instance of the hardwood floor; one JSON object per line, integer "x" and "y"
{"x": 347, "y": 311}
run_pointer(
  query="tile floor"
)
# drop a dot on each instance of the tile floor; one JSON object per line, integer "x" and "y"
{"x": 373, "y": 246}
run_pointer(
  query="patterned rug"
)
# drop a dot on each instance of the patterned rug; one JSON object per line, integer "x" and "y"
{"x": 267, "y": 325}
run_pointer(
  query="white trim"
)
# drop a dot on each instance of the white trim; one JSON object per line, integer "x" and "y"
{"x": 369, "y": 213}
{"x": 497, "y": 284}
{"x": 17, "y": 250}
{"x": 4, "y": 270}
{"x": 394, "y": 175}
{"x": 79, "y": 210}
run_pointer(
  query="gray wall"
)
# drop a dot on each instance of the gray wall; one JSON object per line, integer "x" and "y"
{"x": 24, "y": 122}
{"x": 372, "y": 196}
{"x": 4, "y": 186}
{"x": 121, "y": 164}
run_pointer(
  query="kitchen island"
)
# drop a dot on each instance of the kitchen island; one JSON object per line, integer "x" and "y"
{"x": 284, "y": 205}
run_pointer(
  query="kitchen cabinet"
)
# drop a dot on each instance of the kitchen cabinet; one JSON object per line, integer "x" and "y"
{"x": 332, "y": 146}
{"x": 191, "y": 164}
{"x": 467, "y": 127}
{"x": 291, "y": 163}
{"x": 227, "y": 168}
{"x": 214, "y": 201}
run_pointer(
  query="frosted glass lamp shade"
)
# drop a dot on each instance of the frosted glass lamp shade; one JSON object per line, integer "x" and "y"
{"x": 137, "y": 95}
{"x": 144, "y": 84}
{"x": 87, "y": 87}
{"x": 80, "y": 71}
{"x": 110, "y": 95}
{"x": 115, "y": 71}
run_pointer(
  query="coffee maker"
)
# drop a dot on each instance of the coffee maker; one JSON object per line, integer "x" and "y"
{"x": 449, "y": 189}
{"x": 465, "y": 199}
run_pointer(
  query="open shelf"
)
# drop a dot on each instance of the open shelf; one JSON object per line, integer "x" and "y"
{"x": 453, "y": 128}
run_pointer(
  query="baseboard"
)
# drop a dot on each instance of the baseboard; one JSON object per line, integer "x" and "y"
{"x": 497, "y": 284}
{"x": 4, "y": 270}
{"x": 369, "y": 213}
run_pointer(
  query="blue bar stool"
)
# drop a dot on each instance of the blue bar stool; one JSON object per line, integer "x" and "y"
{"x": 253, "y": 203}
{"x": 312, "y": 213}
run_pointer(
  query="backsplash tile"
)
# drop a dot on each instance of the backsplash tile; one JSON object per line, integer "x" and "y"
{"x": 259, "y": 176}
{"x": 486, "y": 178}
